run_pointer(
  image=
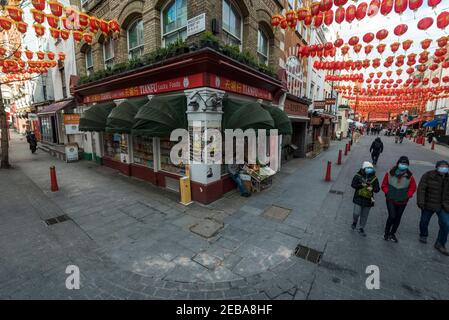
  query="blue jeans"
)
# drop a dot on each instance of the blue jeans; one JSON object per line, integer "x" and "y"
{"x": 239, "y": 183}
{"x": 443, "y": 221}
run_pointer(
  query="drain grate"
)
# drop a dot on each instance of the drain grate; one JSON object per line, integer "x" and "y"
{"x": 308, "y": 254}
{"x": 57, "y": 219}
{"x": 336, "y": 191}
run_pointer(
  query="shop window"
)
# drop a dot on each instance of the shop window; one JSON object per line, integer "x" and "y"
{"x": 108, "y": 53}
{"x": 174, "y": 22}
{"x": 89, "y": 61}
{"x": 143, "y": 151}
{"x": 116, "y": 146}
{"x": 135, "y": 39}
{"x": 232, "y": 23}
{"x": 262, "y": 47}
{"x": 165, "y": 163}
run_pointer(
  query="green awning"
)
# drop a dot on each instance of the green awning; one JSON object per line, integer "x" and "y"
{"x": 121, "y": 118}
{"x": 94, "y": 119}
{"x": 160, "y": 116}
{"x": 245, "y": 115}
{"x": 281, "y": 120}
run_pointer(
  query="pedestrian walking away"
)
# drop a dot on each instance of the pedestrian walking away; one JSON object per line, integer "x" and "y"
{"x": 377, "y": 147}
{"x": 365, "y": 184}
{"x": 433, "y": 197}
{"x": 399, "y": 186}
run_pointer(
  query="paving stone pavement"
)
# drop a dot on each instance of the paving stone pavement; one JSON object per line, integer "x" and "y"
{"x": 132, "y": 240}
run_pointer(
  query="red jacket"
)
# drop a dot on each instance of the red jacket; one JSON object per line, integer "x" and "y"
{"x": 411, "y": 188}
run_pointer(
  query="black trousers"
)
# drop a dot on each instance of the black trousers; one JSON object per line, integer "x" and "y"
{"x": 395, "y": 212}
{"x": 375, "y": 157}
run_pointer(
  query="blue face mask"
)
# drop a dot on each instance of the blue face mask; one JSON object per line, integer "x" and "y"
{"x": 369, "y": 170}
{"x": 402, "y": 166}
{"x": 443, "y": 170}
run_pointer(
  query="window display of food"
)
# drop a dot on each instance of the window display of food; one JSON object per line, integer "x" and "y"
{"x": 166, "y": 164}
{"x": 112, "y": 145}
{"x": 143, "y": 151}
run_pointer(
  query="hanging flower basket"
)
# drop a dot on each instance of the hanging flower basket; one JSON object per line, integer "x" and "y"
{"x": 40, "y": 55}
{"x": 55, "y": 33}
{"x": 64, "y": 34}
{"x": 50, "y": 55}
{"x": 56, "y": 8}
{"x": 77, "y": 35}
{"x": 21, "y": 26}
{"x": 52, "y": 20}
{"x": 5, "y": 23}
{"x": 83, "y": 19}
{"x": 61, "y": 56}
{"x": 38, "y": 16}
{"x": 39, "y": 29}
{"x": 14, "y": 12}
{"x": 29, "y": 54}
{"x": 88, "y": 38}
{"x": 38, "y": 4}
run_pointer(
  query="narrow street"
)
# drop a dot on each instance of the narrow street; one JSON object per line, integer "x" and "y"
{"x": 132, "y": 240}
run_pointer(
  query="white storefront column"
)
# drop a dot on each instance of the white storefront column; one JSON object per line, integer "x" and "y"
{"x": 204, "y": 112}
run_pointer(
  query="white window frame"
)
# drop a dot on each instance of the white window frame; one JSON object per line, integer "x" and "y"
{"x": 141, "y": 47}
{"x": 89, "y": 68}
{"x": 261, "y": 32}
{"x": 178, "y": 30}
{"x": 111, "y": 59}
{"x": 227, "y": 32}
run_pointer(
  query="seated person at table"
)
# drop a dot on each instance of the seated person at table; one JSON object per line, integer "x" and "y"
{"x": 234, "y": 171}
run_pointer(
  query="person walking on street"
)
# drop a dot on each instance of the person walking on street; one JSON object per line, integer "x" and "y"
{"x": 399, "y": 186}
{"x": 365, "y": 184}
{"x": 377, "y": 147}
{"x": 433, "y": 197}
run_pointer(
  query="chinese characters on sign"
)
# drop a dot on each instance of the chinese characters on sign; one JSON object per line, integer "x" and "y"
{"x": 71, "y": 123}
{"x": 196, "y": 25}
{"x": 238, "y": 87}
{"x": 295, "y": 108}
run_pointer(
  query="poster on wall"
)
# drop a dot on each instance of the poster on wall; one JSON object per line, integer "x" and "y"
{"x": 71, "y": 123}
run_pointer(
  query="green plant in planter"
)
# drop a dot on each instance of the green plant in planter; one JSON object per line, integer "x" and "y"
{"x": 232, "y": 51}
{"x": 207, "y": 39}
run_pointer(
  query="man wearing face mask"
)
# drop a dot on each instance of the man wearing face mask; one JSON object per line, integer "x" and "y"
{"x": 399, "y": 186}
{"x": 365, "y": 184}
{"x": 433, "y": 197}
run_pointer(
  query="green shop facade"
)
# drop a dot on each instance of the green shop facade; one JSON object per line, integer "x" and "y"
{"x": 128, "y": 118}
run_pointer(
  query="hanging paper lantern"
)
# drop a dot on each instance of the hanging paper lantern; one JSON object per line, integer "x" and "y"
{"x": 17, "y": 54}
{"x": 50, "y": 55}
{"x": 400, "y": 29}
{"x": 445, "y": 79}
{"x": 326, "y": 5}
{"x": 433, "y": 67}
{"x": 340, "y": 3}
{"x": 14, "y": 12}
{"x": 83, "y": 19}
{"x": 290, "y": 15}
{"x": 21, "y": 26}
{"x": 53, "y": 21}
{"x": 344, "y": 50}
{"x": 415, "y": 4}
{"x": 394, "y": 46}
{"x": 61, "y": 56}
{"x": 40, "y": 55}
{"x": 284, "y": 24}
{"x": 386, "y": 7}
{"x": 315, "y": 8}
{"x": 104, "y": 26}
{"x": 362, "y": 9}
{"x": 435, "y": 80}
{"x": 56, "y": 8}
{"x": 381, "y": 34}
{"x": 318, "y": 21}
{"x": 88, "y": 38}
{"x": 39, "y": 30}
{"x": 275, "y": 22}
{"x": 94, "y": 23}
{"x": 357, "y": 48}
{"x": 425, "y": 23}
{"x": 407, "y": 44}
{"x": 400, "y": 6}
{"x": 368, "y": 49}
{"x": 441, "y": 52}
{"x": 77, "y": 35}
{"x": 350, "y": 13}
{"x": 433, "y": 3}
{"x": 381, "y": 48}
{"x": 373, "y": 8}
{"x": 367, "y": 38}
{"x": 442, "y": 42}
{"x": 425, "y": 44}
{"x": 328, "y": 17}
{"x": 38, "y": 4}
{"x": 38, "y": 16}
{"x": 339, "y": 42}
{"x": 5, "y": 23}
{"x": 353, "y": 40}
{"x": 301, "y": 14}
{"x": 29, "y": 54}
{"x": 64, "y": 34}
{"x": 443, "y": 20}
{"x": 340, "y": 15}
{"x": 308, "y": 20}
{"x": 55, "y": 33}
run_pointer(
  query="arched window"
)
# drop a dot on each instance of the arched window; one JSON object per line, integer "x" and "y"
{"x": 295, "y": 77}
{"x": 108, "y": 53}
{"x": 262, "y": 46}
{"x": 135, "y": 39}
{"x": 89, "y": 61}
{"x": 232, "y": 23}
{"x": 174, "y": 22}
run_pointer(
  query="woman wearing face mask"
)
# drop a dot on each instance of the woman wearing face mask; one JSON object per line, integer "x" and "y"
{"x": 365, "y": 184}
{"x": 399, "y": 186}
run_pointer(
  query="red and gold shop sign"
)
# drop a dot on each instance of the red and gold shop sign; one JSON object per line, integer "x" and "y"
{"x": 295, "y": 108}
{"x": 72, "y": 118}
{"x": 319, "y": 104}
{"x": 238, "y": 87}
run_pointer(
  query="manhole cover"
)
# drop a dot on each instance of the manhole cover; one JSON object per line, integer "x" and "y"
{"x": 336, "y": 191}
{"x": 308, "y": 254}
{"x": 57, "y": 219}
{"x": 278, "y": 213}
{"x": 207, "y": 228}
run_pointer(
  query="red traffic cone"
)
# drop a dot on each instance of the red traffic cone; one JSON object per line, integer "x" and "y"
{"x": 54, "y": 181}
{"x": 328, "y": 172}
{"x": 433, "y": 145}
{"x": 339, "y": 157}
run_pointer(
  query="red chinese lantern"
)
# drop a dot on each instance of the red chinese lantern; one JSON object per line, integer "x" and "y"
{"x": 415, "y": 4}
{"x": 407, "y": 44}
{"x": 61, "y": 56}
{"x": 433, "y": 3}
{"x": 357, "y": 48}
{"x": 275, "y": 22}
{"x": 64, "y": 34}
{"x": 301, "y": 14}
{"x": 17, "y": 54}
{"x": 339, "y": 42}
{"x": 39, "y": 30}
{"x": 29, "y": 54}
{"x": 395, "y": 46}
{"x": 40, "y": 55}
{"x": 38, "y": 4}
{"x": 350, "y": 13}
{"x": 400, "y": 6}
{"x": 400, "y": 29}
{"x": 104, "y": 26}
{"x": 445, "y": 64}
{"x": 50, "y": 55}
{"x": 435, "y": 80}
{"x": 441, "y": 52}
{"x": 443, "y": 20}
{"x": 315, "y": 8}
{"x": 433, "y": 67}
{"x": 292, "y": 24}
{"x": 381, "y": 48}
{"x": 340, "y": 15}
{"x": 88, "y": 38}
{"x": 361, "y": 11}
{"x": 77, "y": 35}
{"x": 389, "y": 73}
{"x": 53, "y": 21}
{"x": 83, "y": 19}
{"x": 368, "y": 49}
{"x": 55, "y": 33}
{"x": 56, "y": 8}
{"x": 14, "y": 12}
{"x": 445, "y": 79}
{"x": 344, "y": 50}
{"x": 326, "y": 5}
{"x": 373, "y": 8}
{"x": 328, "y": 17}
{"x": 340, "y": 3}
{"x": 442, "y": 42}
{"x": 353, "y": 40}
{"x": 284, "y": 24}
{"x": 318, "y": 21}
{"x": 381, "y": 34}
{"x": 367, "y": 38}
{"x": 425, "y": 44}
{"x": 290, "y": 15}
{"x": 425, "y": 23}
{"x": 38, "y": 16}
{"x": 5, "y": 23}
{"x": 386, "y": 7}
{"x": 308, "y": 20}
{"x": 21, "y": 26}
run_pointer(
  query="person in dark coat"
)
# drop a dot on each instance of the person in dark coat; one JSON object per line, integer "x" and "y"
{"x": 399, "y": 186}
{"x": 433, "y": 197}
{"x": 377, "y": 147}
{"x": 365, "y": 184}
